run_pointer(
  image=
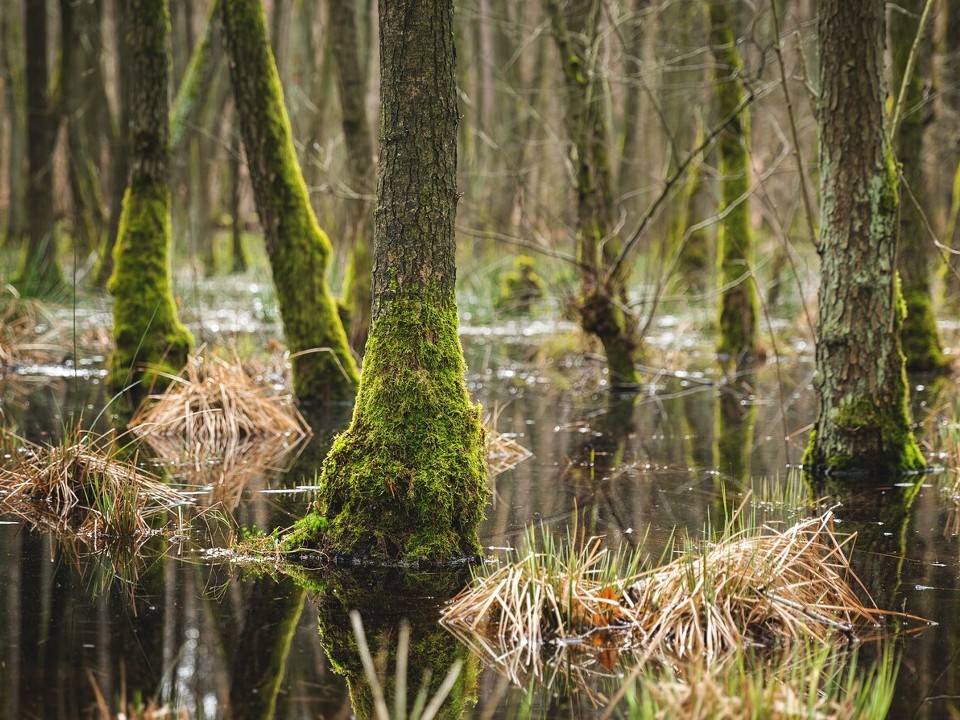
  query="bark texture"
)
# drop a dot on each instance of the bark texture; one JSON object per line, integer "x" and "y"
{"x": 863, "y": 426}
{"x": 739, "y": 301}
{"x": 299, "y": 251}
{"x": 922, "y": 345}
{"x": 150, "y": 341}
{"x": 406, "y": 481}
{"x": 603, "y": 294}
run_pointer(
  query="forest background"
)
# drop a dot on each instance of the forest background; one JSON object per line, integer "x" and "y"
{"x": 661, "y": 82}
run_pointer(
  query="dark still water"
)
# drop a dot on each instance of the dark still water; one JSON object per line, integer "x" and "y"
{"x": 81, "y": 632}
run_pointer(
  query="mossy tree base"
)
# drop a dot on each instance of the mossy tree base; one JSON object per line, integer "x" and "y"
{"x": 407, "y": 480}
{"x": 602, "y": 317}
{"x": 151, "y": 344}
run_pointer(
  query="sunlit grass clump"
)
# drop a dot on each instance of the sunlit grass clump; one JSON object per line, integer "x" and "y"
{"x": 218, "y": 403}
{"x": 758, "y": 586}
{"x": 84, "y": 486}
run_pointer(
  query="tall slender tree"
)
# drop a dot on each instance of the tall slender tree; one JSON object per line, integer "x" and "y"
{"x": 739, "y": 302}
{"x": 150, "y": 341}
{"x": 40, "y": 270}
{"x": 920, "y": 336}
{"x": 15, "y": 98}
{"x": 352, "y": 89}
{"x": 602, "y": 305}
{"x": 863, "y": 425}
{"x": 299, "y": 251}
{"x": 407, "y": 479}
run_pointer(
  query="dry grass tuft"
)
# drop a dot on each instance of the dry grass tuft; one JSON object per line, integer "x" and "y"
{"x": 84, "y": 487}
{"x": 217, "y": 404}
{"x": 503, "y": 453}
{"x": 757, "y": 586}
{"x": 27, "y": 331}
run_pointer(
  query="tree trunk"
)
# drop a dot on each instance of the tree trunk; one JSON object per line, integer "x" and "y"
{"x": 299, "y": 251}
{"x": 120, "y": 143}
{"x": 150, "y": 341}
{"x": 15, "y": 95}
{"x": 603, "y": 294}
{"x": 78, "y": 59}
{"x": 407, "y": 480}
{"x": 40, "y": 271}
{"x": 863, "y": 426}
{"x": 922, "y": 346}
{"x": 352, "y": 88}
{"x": 739, "y": 301}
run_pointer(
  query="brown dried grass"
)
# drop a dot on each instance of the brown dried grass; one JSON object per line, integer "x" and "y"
{"x": 503, "y": 453}
{"x": 28, "y": 332}
{"x": 756, "y": 586}
{"x": 226, "y": 474}
{"x": 84, "y": 487}
{"x": 214, "y": 403}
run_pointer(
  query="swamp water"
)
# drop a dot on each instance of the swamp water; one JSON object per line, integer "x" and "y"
{"x": 183, "y": 627}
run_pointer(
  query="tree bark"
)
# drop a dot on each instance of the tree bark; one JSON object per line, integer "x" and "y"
{"x": 40, "y": 272}
{"x": 151, "y": 344}
{"x": 406, "y": 481}
{"x": 863, "y": 426}
{"x": 299, "y": 251}
{"x": 922, "y": 345}
{"x": 739, "y": 302}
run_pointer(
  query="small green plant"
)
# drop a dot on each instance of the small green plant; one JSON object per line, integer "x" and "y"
{"x": 520, "y": 288}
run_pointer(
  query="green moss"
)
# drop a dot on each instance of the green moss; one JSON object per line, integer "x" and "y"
{"x": 739, "y": 301}
{"x": 898, "y": 449}
{"x": 520, "y": 288}
{"x": 406, "y": 481}
{"x": 323, "y": 367}
{"x": 920, "y": 336}
{"x": 607, "y": 321}
{"x": 151, "y": 344}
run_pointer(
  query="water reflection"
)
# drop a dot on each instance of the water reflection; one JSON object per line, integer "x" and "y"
{"x": 190, "y": 632}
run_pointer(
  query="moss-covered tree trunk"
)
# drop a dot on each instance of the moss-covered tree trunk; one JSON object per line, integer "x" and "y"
{"x": 150, "y": 341}
{"x": 922, "y": 345}
{"x": 406, "y": 481}
{"x": 352, "y": 88}
{"x": 40, "y": 270}
{"x": 299, "y": 251}
{"x": 603, "y": 292}
{"x": 739, "y": 301}
{"x": 863, "y": 424}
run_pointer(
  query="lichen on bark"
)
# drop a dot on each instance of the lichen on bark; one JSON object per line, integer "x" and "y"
{"x": 863, "y": 426}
